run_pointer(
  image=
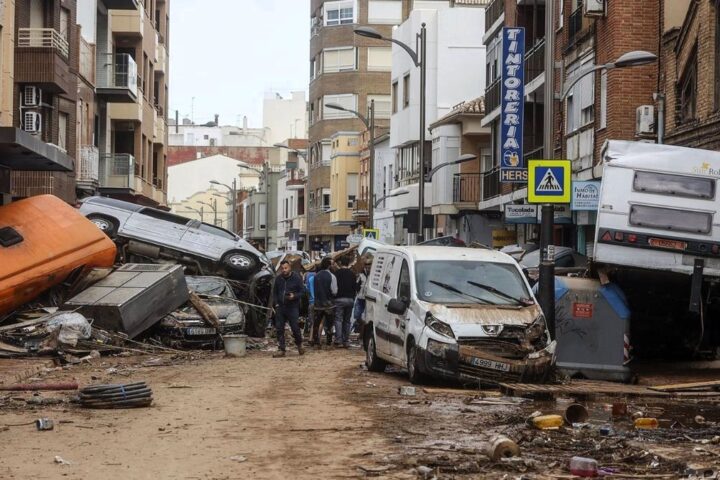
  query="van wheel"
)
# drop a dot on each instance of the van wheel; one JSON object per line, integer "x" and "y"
{"x": 372, "y": 361}
{"x": 106, "y": 224}
{"x": 414, "y": 374}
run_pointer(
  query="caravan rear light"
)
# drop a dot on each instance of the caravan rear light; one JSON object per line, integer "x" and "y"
{"x": 619, "y": 237}
{"x": 715, "y": 249}
{"x": 632, "y": 238}
{"x": 606, "y": 237}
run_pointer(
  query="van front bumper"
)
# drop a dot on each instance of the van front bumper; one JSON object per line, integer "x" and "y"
{"x": 465, "y": 363}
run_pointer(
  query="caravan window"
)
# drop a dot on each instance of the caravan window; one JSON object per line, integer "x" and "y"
{"x": 670, "y": 219}
{"x": 679, "y": 185}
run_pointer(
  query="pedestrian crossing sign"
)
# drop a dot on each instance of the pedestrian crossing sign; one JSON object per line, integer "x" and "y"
{"x": 549, "y": 181}
{"x": 372, "y": 233}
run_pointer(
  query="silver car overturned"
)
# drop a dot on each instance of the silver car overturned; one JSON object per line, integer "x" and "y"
{"x": 144, "y": 233}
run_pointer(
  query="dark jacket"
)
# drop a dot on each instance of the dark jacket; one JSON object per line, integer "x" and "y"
{"x": 346, "y": 283}
{"x": 325, "y": 288}
{"x": 292, "y": 284}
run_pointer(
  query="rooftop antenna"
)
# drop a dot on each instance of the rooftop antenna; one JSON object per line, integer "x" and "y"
{"x": 192, "y": 111}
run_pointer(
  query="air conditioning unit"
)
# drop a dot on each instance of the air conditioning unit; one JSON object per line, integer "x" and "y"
{"x": 32, "y": 122}
{"x": 594, "y": 8}
{"x": 645, "y": 120}
{"x": 32, "y": 96}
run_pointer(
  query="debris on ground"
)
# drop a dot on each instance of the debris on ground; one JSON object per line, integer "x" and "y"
{"x": 133, "y": 395}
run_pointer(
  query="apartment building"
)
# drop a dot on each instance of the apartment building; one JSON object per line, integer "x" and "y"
{"x": 291, "y": 200}
{"x": 7, "y": 69}
{"x": 348, "y": 70}
{"x": 689, "y": 105}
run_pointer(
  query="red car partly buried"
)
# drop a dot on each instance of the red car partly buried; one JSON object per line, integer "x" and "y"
{"x": 44, "y": 242}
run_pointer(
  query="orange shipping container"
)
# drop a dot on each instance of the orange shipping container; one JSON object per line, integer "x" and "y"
{"x": 43, "y": 240}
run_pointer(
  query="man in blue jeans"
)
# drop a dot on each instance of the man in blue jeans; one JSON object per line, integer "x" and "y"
{"x": 287, "y": 291}
{"x": 344, "y": 301}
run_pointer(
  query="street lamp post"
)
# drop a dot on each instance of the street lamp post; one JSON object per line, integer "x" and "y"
{"x": 200, "y": 211}
{"x": 266, "y": 180}
{"x": 419, "y": 61}
{"x": 369, "y": 123}
{"x": 214, "y": 209}
{"x": 546, "y": 287}
{"x": 461, "y": 159}
{"x": 233, "y": 192}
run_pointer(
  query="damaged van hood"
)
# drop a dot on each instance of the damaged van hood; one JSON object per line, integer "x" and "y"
{"x": 476, "y": 314}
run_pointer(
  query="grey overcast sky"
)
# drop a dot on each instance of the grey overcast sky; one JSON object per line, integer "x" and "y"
{"x": 228, "y": 53}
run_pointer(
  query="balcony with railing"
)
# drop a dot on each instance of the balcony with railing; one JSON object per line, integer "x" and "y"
{"x": 492, "y": 96}
{"x": 360, "y": 209}
{"x": 88, "y": 167}
{"x": 117, "y": 79}
{"x": 493, "y": 12}
{"x": 117, "y": 171}
{"x": 535, "y": 61}
{"x": 43, "y": 38}
{"x": 491, "y": 187}
{"x": 466, "y": 188}
{"x": 42, "y": 57}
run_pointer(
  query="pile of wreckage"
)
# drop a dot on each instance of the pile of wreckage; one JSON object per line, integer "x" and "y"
{"x": 76, "y": 281}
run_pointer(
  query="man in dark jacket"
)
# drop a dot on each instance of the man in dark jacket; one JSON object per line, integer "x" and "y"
{"x": 325, "y": 285}
{"x": 344, "y": 303}
{"x": 287, "y": 291}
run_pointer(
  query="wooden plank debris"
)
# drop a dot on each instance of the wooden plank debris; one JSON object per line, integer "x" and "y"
{"x": 687, "y": 387}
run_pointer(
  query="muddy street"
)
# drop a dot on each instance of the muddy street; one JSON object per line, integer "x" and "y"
{"x": 319, "y": 416}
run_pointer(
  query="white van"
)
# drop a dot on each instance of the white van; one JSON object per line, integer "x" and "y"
{"x": 461, "y": 313}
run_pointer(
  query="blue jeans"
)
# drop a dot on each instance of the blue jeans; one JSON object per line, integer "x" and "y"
{"x": 343, "y": 312}
{"x": 358, "y": 312}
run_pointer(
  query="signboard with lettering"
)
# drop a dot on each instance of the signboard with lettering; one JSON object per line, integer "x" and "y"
{"x": 521, "y": 214}
{"x": 512, "y": 106}
{"x": 503, "y": 238}
{"x": 585, "y": 195}
{"x": 563, "y": 215}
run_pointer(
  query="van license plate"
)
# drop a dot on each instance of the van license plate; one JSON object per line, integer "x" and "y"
{"x": 492, "y": 365}
{"x": 672, "y": 244}
{"x": 201, "y": 331}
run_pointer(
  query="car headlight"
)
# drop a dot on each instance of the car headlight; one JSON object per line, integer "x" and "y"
{"x": 438, "y": 349}
{"x": 438, "y": 326}
{"x": 492, "y": 330}
{"x": 235, "y": 318}
{"x": 536, "y": 329}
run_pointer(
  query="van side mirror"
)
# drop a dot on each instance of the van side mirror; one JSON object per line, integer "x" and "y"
{"x": 397, "y": 307}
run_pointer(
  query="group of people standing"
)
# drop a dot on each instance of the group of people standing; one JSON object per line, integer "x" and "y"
{"x": 336, "y": 297}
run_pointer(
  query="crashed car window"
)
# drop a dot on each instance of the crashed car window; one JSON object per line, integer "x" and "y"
{"x": 207, "y": 286}
{"x": 216, "y": 231}
{"x": 456, "y": 274}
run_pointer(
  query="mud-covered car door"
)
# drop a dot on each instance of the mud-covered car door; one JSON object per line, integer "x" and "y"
{"x": 398, "y": 323}
{"x": 383, "y": 318}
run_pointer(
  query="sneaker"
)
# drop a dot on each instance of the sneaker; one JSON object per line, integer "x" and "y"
{"x": 279, "y": 354}
{"x": 301, "y": 350}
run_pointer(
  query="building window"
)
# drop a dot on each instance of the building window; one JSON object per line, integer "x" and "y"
{"x": 65, "y": 23}
{"x": 561, "y": 13}
{"x": 406, "y": 91}
{"x": 313, "y": 66}
{"x": 379, "y": 59}
{"x": 351, "y": 185}
{"x": 395, "y": 98}
{"x": 339, "y": 13}
{"x": 581, "y": 100}
{"x": 388, "y": 12}
{"x": 62, "y": 131}
{"x": 688, "y": 89}
{"x": 348, "y": 101}
{"x": 383, "y": 105}
{"x": 262, "y": 216}
{"x": 339, "y": 59}
{"x": 326, "y": 199}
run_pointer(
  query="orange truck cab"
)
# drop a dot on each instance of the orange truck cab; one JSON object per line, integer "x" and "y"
{"x": 43, "y": 241}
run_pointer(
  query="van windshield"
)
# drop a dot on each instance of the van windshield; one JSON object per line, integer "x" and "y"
{"x": 463, "y": 281}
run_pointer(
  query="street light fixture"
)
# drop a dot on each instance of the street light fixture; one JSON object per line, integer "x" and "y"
{"x": 233, "y": 192}
{"x": 200, "y": 211}
{"x": 214, "y": 209}
{"x": 369, "y": 123}
{"x": 395, "y": 194}
{"x": 419, "y": 58}
{"x": 461, "y": 159}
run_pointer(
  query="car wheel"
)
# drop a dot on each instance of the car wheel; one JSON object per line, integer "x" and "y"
{"x": 240, "y": 262}
{"x": 416, "y": 377}
{"x": 372, "y": 361}
{"x": 107, "y": 225}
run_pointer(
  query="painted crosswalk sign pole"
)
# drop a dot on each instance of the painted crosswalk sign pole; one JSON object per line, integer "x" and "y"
{"x": 549, "y": 181}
